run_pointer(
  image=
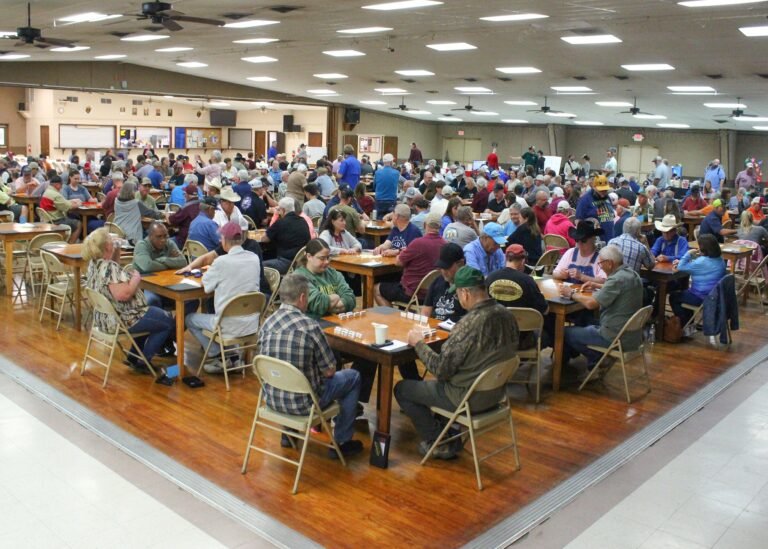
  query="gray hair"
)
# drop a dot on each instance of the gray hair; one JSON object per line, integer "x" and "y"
{"x": 127, "y": 192}
{"x": 651, "y": 189}
{"x": 402, "y": 210}
{"x": 117, "y": 175}
{"x": 118, "y": 166}
{"x": 287, "y": 204}
{"x": 216, "y": 155}
{"x": 301, "y": 168}
{"x": 632, "y": 227}
{"x": 190, "y": 178}
{"x": 464, "y": 214}
{"x": 516, "y": 206}
{"x": 481, "y": 182}
{"x": 613, "y": 254}
{"x": 292, "y": 287}
{"x": 243, "y": 175}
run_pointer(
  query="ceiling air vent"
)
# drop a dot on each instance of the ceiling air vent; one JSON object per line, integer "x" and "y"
{"x": 714, "y": 76}
{"x": 580, "y": 78}
{"x": 285, "y": 9}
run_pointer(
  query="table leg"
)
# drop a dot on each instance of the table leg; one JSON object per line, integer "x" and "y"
{"x": 661, "y": 303}
{"x": 381, "y": 437}
{"x": 367, "y": 291}
{"x": 557, "y": 352}
{"x": 180, "y": 337}
{"x": 84, "y": 228}
{"x": 31, "y": 213}
{"x": 747, "y": 270}
{"x": 9, "y": 267}
{"x": 78, "y": 298}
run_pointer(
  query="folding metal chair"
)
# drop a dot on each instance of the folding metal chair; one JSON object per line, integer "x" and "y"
{"x": 530, "y": 320}
{"x": 424, "y": 284}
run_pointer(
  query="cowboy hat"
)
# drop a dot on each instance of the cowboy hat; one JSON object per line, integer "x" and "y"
{"x": 584, "y": 230}
{"x": 667, "y": 223}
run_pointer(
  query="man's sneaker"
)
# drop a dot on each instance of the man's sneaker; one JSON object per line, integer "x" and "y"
{"x": 213, "y": 367}
{"x": 444, "y": 451}
{"x": 360, "y": 410}
{"x": 349, "y": 448}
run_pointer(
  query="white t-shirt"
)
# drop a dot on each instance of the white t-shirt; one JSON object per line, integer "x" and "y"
{"x": 611, "y": 165}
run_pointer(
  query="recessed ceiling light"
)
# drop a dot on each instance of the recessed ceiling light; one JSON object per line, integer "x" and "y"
{"x": 575, "y": 89}
{"x": 561, "y": 114}
{"x": 144, "y": 37}
{"x": 753, "y": 32}
{"x": 373, "y": 102}
{"x": 441, "y": 102}
{"x": 12, "y": 56}
{"x": 691, "y": 89}
{"x": 725, "y": 105}
{"x": 259, "y": 59}
{"x": 419, "y": 111}
{"x": 513, "y": 17}
{"x": 514, "y": 120}
{"x": 761, "y": 128}
{"x": 750, "y": 118}
{"x": 322, "y": 92}
{"x": 343, "y": 53}
{"x": 518, "y": 70}
{"x": 330, "y": 75}
{"x": 522, "y": 103}
{"x": 73, "y": 48}
{"x": 192, "y": 64}
{"x": 261, "y": 79}
{"x": 110, "y": 56}
{"x": 472, "y": 89}
{"x": 364, "y": 30}
{"x": 169, "y": 97}
{"x": 613, "y": 104}
{"x": 89, "y": 17}
{"x": 642, "y": 116}
{"x": 255, "y": 41}
{"x": 174, "y": 49}
{"x": 450, "y": 119}
{"x": 218, "y": 103}
{"x": 7, "y": 34}
{"x": 390, "y": 90}
{"x": 262, "y": 103}
{"x": 452, "y": 46}
{"x": 415, "y": 72}
{"x": 649, "y": 67}
{"x": 712, "y": 3}
{"x": 402, "y": 5}
{"x": 250, "y": 24}
{"x": 396, "y": 93}
{"x": 484, "y": 113}
{"x": 669, "y": 125}
{"x": 587, "y": 123}
{"x": 595, "y": 39}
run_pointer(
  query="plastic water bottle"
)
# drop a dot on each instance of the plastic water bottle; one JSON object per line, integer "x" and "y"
{"x": 373, "y": 215}
{"x": 652, "y": 334}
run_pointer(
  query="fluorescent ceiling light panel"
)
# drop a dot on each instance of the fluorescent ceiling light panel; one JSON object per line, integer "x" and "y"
{"x": 561, "y": 114}
{"x": 753, "y": 32}
{"x": 144, "y": 37}
{"x": 450, "y": 119}
{"x": 649, "y": 67}
{"x": 174, "y": 49}
{"x": 521, "y": 103}
{"x": 514, "y": 121}
{"x": 13, "y": 56}
{"x": 750, "y": 118}
{"x": 259, "y": 59}
{"x": 761, "y": 128}
{"x": 484, "y": 113}
{"x": 725, "y": 105}
{"x": 250, "y": 24}
{"x": 364, "y": 30}
{"x": 513, "y": 17}
{"x": 518, "y": 70}
{"x": 452, "y": 46}
{"x": 419, "y": 111}
{"x": 262, "y": 103}
{"x": 390, "y": 90}
{"x": 572, "y": 89}
{"x": 169, "y": 96}
{"x": 73, "y": 48}
{"x": 441, "y": 102}
{"x": 642, "y": 116}
{"x": 415, "y": 72}
{"x": 613, "y": 104}
{"x": 7, "y": 34}
{"x": 472, "y": 89}
{"x": 402, "y": 5}
{"x": 344, "y": 53}
{"x": 587, "y": 123}
{"x": 110, "y": 56}
{"x": 373, "y": 102}
{"x": 669, "y": 125}
{"x": 692, "y": 89}
{"x": 714, "y": 3}
{"x": 330, "y": 75}
{"x": 256, "y": 41}
{"x": 192, "y": 64}
{"x": 218, "y": 103}
{"x": 261, "y": 79}
{"x": 322, "y": 92}
{"x": 595, "y": 39}
{"x": 89, "y": 17}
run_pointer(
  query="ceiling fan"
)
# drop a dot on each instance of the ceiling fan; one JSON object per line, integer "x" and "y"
{"x": 635, "y": 110}
{"x": 263, "y": 109}
{"x": 468, "y": 107}
{"x": 735, "y": 113}
{"x": 402, "y": 106}
{"x": 545, "y": 109}
{"x": 162, "y": 13}
{"x": 31, "y": 36}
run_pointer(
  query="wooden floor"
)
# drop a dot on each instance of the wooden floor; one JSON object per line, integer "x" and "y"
{"x": 407, "y": 504}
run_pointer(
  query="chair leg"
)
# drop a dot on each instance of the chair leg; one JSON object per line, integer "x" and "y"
{"x": 514, "y": 442}
{"x": 224, "y": 366}
{"x": 109, "y": 360}
{"x": 592, "y": 372}
{"x": 87, "y": 350}
{"x": 327, "y": 429}
{"x": 437, "y": 442}
{"x": 538, "y": 376}
{"x": 303, "y": 452}
{"x": 205, "y": 356}
{"x": 624, "y": 375}
{"x": 474, "y": 453}
{"x": 250, "y": 438}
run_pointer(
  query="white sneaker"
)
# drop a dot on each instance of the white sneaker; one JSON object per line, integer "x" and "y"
{"x": 213, "y": 367}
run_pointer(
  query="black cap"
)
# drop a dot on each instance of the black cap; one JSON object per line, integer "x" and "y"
{"x": 209, "y": 201}
{"x": 498, "y": 187}
{"x": 449, "y": 255}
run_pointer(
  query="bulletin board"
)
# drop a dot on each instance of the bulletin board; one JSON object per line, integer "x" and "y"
{"x": 203, "y": 138}
{"x": 367, "y": 144}
{"x": 240, "y": 139}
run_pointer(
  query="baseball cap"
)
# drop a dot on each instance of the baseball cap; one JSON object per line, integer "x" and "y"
{"x": 494, "y": 174}
{"x": 563, "y": 205}
{"x": 716, "y": 203}
{"x": 467, "y": 277}
{"x": 496, "y": 232}
{"x": 539, "y": 177}
{"x": 498, "y": 187}
{"x": 449, "y": 255}
{"x": 601, "y": 183}
{"x": 209, "y": 201}
{"x": 256, "y": 183}
{"x": 231, "y": 230}
{"x": 749, "y": 165}
{"x": 623, "y": 202}
{"x": 191, "y": 189}
{"x": 516, "y": 251}
{"x": 447, "y": 190}
{"x": 756, "y": 200}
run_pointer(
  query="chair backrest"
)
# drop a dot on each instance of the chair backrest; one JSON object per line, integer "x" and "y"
{"x": 635, "y": 323}
{"x": 317, "y": 220}
{"x": 298, "y": 259}
{"x": 100, "y": 196}
{"x": 281, "y": 375}
{"x": 111, "y": 217}
{"x": 52, "y": 264}
{"x": 99, "y": 303}
{"x": 42, "y": 215}
{"x": 193, "y": 248}
{"x": 273, "y": 278}
{"x": 251, "y": 222}
{"x": 36, "y": 243}
{"x": 6, "y": 217}
{"x": 494, "y": 377}
{"x": 528, "y": 320}
{"x": 555, "y": 241}
{"x": 114, "y": 228}
{"x": 173, "y": 207}
{"x": 424, "y": 284}
{"x": 252, "y": 303}
{"x": 548, "y": 261}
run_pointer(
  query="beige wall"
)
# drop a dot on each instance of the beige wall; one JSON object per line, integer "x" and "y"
{"x": 752, "y": 145}
{"x": 512, "y": 140}
{"x": 17, "y": 126}
{"x": 406, "y": 129}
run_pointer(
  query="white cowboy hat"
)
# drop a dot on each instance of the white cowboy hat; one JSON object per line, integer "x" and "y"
{"x": 668, "y": 223}
{"x": 229, "y": 195}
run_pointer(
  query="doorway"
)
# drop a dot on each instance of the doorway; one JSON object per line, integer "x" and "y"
{"x": 461, "y": 150}
{"x": 45, "y": 140}
{"x": 260, "y": 142}
{"x": 635, "y": 160}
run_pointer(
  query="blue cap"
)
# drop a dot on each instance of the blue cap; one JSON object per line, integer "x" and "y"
{"x": 496, "y": 232}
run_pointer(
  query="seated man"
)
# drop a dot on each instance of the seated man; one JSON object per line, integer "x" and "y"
{"x": 671, "y": 245}
{"x": 290, "y": 335}
{"x": 484, "y": 254}
{"x": 636, "y": 254}
{"x": 403, "y": 232}
{"x": 228, "y": 277}
{"x": 184, "y": 217}
{"x": 441, "y": 303}
{"x": 486, "y": 335}
{"x": 203, "y": 228}
{"x": 289, "y": 233}
{"x": 58, "y": 207}
{"x": 713, "y": 222}
{"x": 620, "y": 297}
{"x": 417, "y": 260}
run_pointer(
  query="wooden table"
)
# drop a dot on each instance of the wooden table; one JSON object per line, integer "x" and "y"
{"x": 257, "y": 235}
{"x": 369, "y": 267}
{"x": 691, "y": 221}
{"x": 378, "y": 230}
{"x": 484, "y": 216}
{"x": 85, "y": 211}
{"x": 14, "y": 232}
{"x": 30, "y": 202}
{"x": 180, "y": 289}
{"x": 662, "y": 274}
{"x": 733, "y": 253}
{"x": 387, "y": 360}
{"x": 93, "y": 188}
{"x": 560, "y": 307}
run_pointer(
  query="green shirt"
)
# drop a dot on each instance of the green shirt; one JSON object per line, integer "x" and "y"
{"x": 620, "y": 297}
{"x": 148, "y": 201}
{"x": 530, "y": 158}
{"x": 323, "y": 285}
{"x": 148, "y": 260}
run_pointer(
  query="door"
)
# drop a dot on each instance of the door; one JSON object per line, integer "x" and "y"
{"x": 315, "y": 139}
{"x": 390, "y": 146}
{"x": 635, "y": 160}
{"x": 260, "y": 142}
{"x": 462, "y": 150}
{"x": 280, "y": 138}
{"x": 45, "y": 140}
{"x": 350, "y": 139}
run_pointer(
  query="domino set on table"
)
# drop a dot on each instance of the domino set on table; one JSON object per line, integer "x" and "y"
{"x": 426, "y": 331}
{"x": 344, "y": 332}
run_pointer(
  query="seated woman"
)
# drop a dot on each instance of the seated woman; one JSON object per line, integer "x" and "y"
{"x": 706, "y": 267}
{"x": 334, "y": 233}
{"x": 451, "y": 213}
{"x": 129, "y": 211}
{"x": 365, "y": 202}
{"x": 122, "y": 290}
{"x": 528, "y": 235}
{"x": 580, "y": 264}
{"x": 754, "y": 233}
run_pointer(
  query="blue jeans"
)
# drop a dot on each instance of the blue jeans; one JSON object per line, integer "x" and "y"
{"x": 154, "y": 300}
{"x": 578, "y": 337}
{"x": 160, "y": 326}
{"x": 344, "y": 387}
{"x": 383, "y": 207}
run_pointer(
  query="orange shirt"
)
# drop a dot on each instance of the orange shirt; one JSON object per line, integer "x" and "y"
{"x": 757, "y": 213}
{"x": 708, "y": 208}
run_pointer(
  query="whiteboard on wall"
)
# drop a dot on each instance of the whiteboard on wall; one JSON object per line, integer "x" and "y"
{"x": 553, "y": 163}
{"x": 316, "y": 153}
{"x": 73, "y": 136}
{"x": 240, "y": 139}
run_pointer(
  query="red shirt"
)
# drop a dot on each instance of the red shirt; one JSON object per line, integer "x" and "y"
{"x": 109, "y": 202}
{"x": 418, "y": 259}
{"x": 492, "y": 161}
{"x": 542, "y": 216}
{"x": 691, "y": 203}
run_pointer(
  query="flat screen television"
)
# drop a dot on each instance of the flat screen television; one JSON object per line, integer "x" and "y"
{"x": 223, "y": 118}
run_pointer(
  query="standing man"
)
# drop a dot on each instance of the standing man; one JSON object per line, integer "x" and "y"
{"x": 415, "y": 157}
{"x": 746, "y": 179}
{"x": 385, "y": 183}
{"x": 296, "y": 183}
{"x": 349, "y": 169}
{"x": 662, "y": 174}
{"x": 530, "y": 157}
{"x": 492, "y": 160}
{"x": 595, "y": 204}
{"x": 272, "y": 151}
{"x": 715, "y": 175}
{"x": 611, "y": 166}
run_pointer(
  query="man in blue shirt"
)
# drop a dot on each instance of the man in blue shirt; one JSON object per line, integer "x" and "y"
{"x": 178, "y": 194}
{"x": 713, "y": 223}
{"x": 385, "y": 183}
{"x": 272, "y": 151}
{"x": 203, "y": 228}
{"x": 156, "y": 176}
{"x": 670, "y": 246}
{"x": 349, "y": 169}
{"x": 403, "y": 232}
{"x": 714, "y": 174}
{"x": 484, "y": 254}
{"x": 595, "y": 204}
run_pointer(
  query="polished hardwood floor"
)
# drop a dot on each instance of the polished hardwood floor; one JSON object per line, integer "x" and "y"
{"x": 432, "y": 506}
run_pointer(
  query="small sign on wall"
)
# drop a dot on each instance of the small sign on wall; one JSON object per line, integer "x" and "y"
{"x": 460, "y": 132}
{"x": 638, "y": 137}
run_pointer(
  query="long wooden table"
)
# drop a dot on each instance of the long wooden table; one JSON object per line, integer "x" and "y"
{"x": 89, "y": 209}
{"x": 30, "y": 202}
{"x": 14, "y": 232}
{"x": 691, "y": 221}
{"x": 180, "y": 289}
{"x": 369, "y": 267}
{"x": 662, "y": 274}
{"x": 387, "y": 360}
{"x": 378, "y": 230}
{"x": 733, "y": 253}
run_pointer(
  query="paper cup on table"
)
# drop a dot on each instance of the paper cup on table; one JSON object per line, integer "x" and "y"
{"x": 381, "y": 333}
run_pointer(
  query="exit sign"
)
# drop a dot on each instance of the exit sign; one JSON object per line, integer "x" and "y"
{"x": 638, "y": 137}
{"x": 460, "y": 132}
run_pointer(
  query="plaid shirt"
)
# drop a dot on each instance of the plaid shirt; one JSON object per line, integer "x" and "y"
{"x": 292, "y": 336}
{"x": 635, "y": 254}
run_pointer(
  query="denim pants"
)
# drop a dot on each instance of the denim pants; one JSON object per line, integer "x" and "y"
{"x": 343, "y": 387}
{"x": 415, "y": 398}
{"x": 161, "y": 328}
{"x": 578, "y": 337}
{"x": 196, "y": 323}
{"x": 154, "y": 300}
{"x": 676, "y": 301}
{"x": 383, "y": 207}
{"x": 280, "y": 263}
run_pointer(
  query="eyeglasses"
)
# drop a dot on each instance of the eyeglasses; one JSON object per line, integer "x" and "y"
{"x": 323, "y": 258}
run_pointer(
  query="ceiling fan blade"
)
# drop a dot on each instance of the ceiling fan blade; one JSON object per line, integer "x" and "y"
{"x": 55, "y": 42}
{"x": 201, "y": 20}
{"x": 460, "y": 109}
{"x": 170, "y": 24}
{"x": 744, "y": 115}
{"x": 170, "y": 13}
{"x": 475, "y": 109}
{"x": 22, "y": 43}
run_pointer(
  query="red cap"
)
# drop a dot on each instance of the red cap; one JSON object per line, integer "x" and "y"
{"x": 231, "y": 231}
{"x": 623, "y": 202}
